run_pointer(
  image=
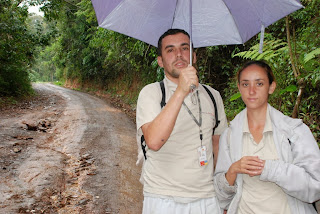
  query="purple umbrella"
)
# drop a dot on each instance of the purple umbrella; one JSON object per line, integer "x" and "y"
{"x": 209, "y": 22}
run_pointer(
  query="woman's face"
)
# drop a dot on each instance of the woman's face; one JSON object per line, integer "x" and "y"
{"x": 254, "y": 87}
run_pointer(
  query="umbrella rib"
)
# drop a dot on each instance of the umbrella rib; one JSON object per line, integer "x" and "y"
{"x": 174, "y": 14}
{"x": 233, "y": 20}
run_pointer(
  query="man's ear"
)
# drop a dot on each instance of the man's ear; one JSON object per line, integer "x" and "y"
{"x": 272, "y": 87}
{"x": 160, "y": 63}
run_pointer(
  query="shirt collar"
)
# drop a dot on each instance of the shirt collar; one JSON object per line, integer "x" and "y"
{"x": 171, "y": 85}
{"x": 245, "y": 125}
{"x": 268, "y": 125}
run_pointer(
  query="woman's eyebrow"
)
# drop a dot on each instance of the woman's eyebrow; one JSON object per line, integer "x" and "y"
{"x": 254, "y": 80}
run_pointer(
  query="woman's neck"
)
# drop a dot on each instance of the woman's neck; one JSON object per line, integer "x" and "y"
{"x": 256, "y": 122}
{"x": 257, "y": 116}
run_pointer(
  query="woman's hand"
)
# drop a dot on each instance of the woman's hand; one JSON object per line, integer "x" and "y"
{"x": 251, "y": 165}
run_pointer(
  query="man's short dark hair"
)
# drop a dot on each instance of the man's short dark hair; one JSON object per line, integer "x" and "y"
{"x": 167, "y": 33}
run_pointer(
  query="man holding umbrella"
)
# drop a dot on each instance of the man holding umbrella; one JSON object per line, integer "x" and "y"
{"x": 179, "y": 165}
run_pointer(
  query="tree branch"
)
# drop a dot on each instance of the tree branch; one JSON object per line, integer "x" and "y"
{"x": 290, "y": 49}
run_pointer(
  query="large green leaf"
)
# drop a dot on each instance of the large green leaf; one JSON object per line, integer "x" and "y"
{"x": 311, "y": 55}
{"x": 235, "y": 96}
{"x": 290, "y": 88}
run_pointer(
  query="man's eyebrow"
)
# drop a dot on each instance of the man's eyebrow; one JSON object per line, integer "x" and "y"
{"x": 171, "y": 46}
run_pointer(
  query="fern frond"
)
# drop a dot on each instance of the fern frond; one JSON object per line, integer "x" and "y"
{"x": 311, "y": 55}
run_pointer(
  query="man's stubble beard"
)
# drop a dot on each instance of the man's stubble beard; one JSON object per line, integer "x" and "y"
{"x": 174, "y": 73}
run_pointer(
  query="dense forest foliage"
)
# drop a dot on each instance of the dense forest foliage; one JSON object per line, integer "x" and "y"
{"x": 66, "y": 45}
{"x": 20, "y": 37}
{"x": 16, "y": 49}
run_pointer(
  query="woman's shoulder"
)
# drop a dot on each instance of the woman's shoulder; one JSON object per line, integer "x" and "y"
{"x": 280, "y": 119}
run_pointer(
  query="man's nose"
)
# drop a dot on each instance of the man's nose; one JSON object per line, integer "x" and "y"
{"x": 179, "y": 53}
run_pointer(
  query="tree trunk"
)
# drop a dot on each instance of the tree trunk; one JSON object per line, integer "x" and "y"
{"x": 296, "y": 72}
{"x": 295, "y": 112}
{"x": 294, "y": 68}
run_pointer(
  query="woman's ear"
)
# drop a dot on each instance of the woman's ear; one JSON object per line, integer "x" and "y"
{"x": 272, "y": 87}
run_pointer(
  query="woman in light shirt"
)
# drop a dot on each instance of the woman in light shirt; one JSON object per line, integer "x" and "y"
{"x": 267, "y": 162}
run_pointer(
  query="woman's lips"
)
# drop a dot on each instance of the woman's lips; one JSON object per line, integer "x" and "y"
{"x": 252, "y": 99}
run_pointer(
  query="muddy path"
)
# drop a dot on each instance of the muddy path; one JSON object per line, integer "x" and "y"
{"x": 68, "y": 152}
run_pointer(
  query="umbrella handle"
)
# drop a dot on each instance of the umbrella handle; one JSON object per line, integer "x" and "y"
{"x": 191, "y": 52}
{"x": 192, "y": 86}
{"x": 190, "y": 30}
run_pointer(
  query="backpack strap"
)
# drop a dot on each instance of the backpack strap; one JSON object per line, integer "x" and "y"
{"x": 215, "y": 107}
{"x": 163, "y": 90}
{"x": 143, "y": 147}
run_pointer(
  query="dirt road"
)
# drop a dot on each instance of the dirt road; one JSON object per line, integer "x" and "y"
{"x": 68, "y": 152}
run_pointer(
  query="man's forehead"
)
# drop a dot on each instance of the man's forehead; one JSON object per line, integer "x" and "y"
{"x": 179, "y": 39}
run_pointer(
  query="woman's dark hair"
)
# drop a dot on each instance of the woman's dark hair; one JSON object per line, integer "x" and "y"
{"x": 167, "y": 33}
{"x": 261, "y": 64}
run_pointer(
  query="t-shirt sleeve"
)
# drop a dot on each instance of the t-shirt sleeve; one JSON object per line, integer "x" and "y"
{"x": 148, "y": 105}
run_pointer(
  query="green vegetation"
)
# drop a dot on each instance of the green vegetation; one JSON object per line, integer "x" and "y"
{"x": 67, "y": 46}
{"x": 21, "y": 37}
{"x": 16, "y": 44}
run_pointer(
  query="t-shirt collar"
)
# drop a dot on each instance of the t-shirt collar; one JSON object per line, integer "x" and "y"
{"x": 171, "y": 85}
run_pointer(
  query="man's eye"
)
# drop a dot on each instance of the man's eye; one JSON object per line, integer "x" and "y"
{"x": 244, "y": 84}
{"x": 170, "y": 50}
{"x": 185, "y": 48}
{"x": 259, "y": 84}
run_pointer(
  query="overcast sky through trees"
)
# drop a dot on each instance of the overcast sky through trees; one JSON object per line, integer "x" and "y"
{"x": 35, "y": 9}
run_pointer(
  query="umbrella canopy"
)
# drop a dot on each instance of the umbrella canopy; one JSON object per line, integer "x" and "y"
{"x": 209, "y": 22}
